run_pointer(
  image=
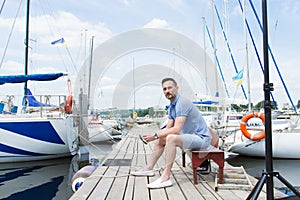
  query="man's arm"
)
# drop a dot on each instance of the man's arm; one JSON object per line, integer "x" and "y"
{"x": 173, "y": 127}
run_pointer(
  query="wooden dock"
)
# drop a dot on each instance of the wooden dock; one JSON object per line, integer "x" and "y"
{"x": 112, "y": 180}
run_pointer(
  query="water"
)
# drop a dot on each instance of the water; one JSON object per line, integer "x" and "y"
{"x": 48, "y": 179}
{"x": 289, "y": 169}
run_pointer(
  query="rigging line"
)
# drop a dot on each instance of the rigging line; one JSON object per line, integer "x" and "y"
{"x": 10, "y": 34}
{"x": 221, "y": 73}
{"x": 47, "y": 10}
{"x": 273, "y": 58}
{"x": 74, "y": 65}
{"x": 2, "y": 6}
{"x": 229, "y": 49}
{"x": 256, "y": 51}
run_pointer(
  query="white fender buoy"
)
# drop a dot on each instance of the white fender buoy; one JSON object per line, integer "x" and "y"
{"x": 80, "y": 176}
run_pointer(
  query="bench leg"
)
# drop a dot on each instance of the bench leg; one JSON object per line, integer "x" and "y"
{"x": 219, "y": 159}
{"x": 195, "y": 175}
{"x": 221, "y": 175}
{"x": 196, "y": 162}
{"x": 183, "y": 158}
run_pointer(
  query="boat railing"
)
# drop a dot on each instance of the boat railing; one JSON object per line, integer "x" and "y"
{"x": 50, "y": 106}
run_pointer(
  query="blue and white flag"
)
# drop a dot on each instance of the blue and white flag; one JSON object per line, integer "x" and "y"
{"x": 59, "y": 42}
{"x": 238, "y": 79}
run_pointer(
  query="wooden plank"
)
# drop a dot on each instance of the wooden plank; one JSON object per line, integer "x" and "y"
{"x": 186, "y": 186}
{"x": 116, "y": 150}
{"x": 105, "y": 184}
{"x": 131, "y": 148}
{"x": 140, "y": 188}
{"x": 129, "y": 193}
{"x": 131, "y": 154}
{"x": 119, "y": 186}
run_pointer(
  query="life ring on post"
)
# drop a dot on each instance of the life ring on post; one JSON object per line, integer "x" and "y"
{"x": 68, "y": 107}
{"x": 243, "y": 126}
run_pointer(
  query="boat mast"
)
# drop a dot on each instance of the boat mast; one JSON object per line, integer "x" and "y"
{"x": 26, "y": 45}
{"x": 204, "y": 52}
{"x": 247, "y": 57}
{"x": 133, "y": 84}
{"x": 90, "y": 72}
{"x": 215, "y": 48}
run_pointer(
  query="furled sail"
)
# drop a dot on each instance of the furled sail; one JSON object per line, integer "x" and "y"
{"x": 30, "y": 77}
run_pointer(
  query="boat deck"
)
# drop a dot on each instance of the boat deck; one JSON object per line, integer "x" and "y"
{"x": 112, "y": 180}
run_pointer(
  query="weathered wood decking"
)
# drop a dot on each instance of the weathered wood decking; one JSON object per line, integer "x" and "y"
{"x": 115, "y": 182}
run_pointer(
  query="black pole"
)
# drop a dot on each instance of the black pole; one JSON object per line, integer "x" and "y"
{"x": 267, "y": 106}
{"x": 26, "y": 45}
{"x": 268, "y": 174}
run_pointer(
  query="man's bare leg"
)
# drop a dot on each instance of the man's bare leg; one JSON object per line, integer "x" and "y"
{"x": 156, "y": 153}
{"x": 172, "y": 142}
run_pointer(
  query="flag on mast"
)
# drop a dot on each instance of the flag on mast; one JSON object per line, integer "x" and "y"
{"x": 59, "y": 42}
{"x": 238, "y": 79}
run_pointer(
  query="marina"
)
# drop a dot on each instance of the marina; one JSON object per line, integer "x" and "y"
{"x": 82, "y": 140}
{"x": 130, "y": 153}
{"x": 52, "y": 178}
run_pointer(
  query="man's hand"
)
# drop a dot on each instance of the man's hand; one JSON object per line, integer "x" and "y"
{"x": 148, "y": 138}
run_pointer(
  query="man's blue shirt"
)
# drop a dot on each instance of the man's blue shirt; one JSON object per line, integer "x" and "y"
{"x": 194, "y": 124}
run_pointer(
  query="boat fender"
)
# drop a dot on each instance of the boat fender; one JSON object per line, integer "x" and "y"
{"x": 243, "y": 126}
{"x": 68, "y": 107}
{"x": 80, "y": 176}
{"x": 77, "y": 183}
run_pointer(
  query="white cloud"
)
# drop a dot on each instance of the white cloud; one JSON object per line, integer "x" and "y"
{"x": 69, "y": 26}
{"x": 157, "y": 23}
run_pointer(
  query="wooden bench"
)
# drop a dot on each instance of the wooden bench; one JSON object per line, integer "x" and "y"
{"x": 198, "y": 157}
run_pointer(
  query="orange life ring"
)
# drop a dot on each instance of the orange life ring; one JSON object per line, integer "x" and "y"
{"x": 244, "y": 128}
{"x": 68, "y": 107}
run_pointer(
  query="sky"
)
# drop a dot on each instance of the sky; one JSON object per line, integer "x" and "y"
{"x": 78, "y": 21}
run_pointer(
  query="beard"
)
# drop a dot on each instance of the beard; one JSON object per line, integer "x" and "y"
{"x": 169, "y": 96}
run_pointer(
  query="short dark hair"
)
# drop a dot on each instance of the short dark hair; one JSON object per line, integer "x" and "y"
{"x": 169, "y": 79}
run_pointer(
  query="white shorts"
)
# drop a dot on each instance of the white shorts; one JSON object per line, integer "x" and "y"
{"x": 193, "y": 141}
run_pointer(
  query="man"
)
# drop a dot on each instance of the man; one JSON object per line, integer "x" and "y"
{"x": 186, "y": 128}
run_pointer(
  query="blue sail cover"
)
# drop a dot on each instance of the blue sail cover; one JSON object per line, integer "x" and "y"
{"x": 31, "y": 100}
{"x": 208, "y": 102}
{"x": 31, "y": 77}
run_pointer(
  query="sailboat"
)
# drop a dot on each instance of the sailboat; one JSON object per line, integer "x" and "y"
{"x": 249, "y": 140}
{"x": 39, "y": 130}
{"x": 285, "y": 137}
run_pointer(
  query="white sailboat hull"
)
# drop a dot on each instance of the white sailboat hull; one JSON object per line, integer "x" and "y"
{"x": 285, "y": 145}
{"x": 34, "y": 138}
{"x": 99, "y": 133}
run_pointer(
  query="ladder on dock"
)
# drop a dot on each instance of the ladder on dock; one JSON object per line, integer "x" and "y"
{"x": 235, "y": 178}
